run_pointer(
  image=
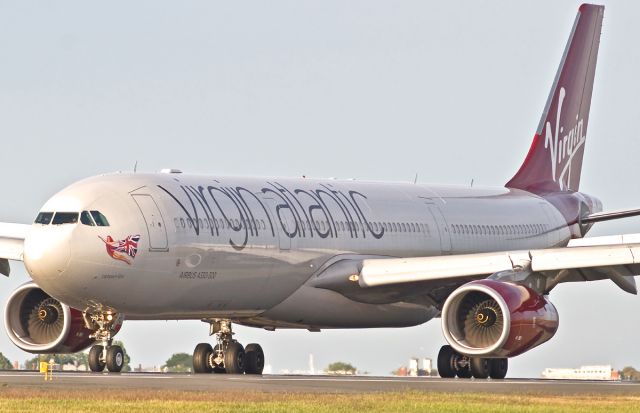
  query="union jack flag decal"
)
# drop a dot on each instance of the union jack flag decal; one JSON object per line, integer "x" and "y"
{"x": 123, "y": 250}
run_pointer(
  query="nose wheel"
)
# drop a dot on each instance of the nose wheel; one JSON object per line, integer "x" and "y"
{"x": 112, "y": 358}
{"x": 104, "y": 326}
{"x": 228, "y": 356}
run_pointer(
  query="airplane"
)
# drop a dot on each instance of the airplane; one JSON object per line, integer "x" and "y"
{"x": 281, "y": 253}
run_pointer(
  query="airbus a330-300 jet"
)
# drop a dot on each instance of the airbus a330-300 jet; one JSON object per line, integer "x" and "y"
{"x": 317, "y": 254}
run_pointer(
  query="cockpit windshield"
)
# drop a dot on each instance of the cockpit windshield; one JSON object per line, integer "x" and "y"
{"x": 44, "y": 218}
{"x": 65, "y": 218}
{"x": 89, "y": 218}
{"x": 100, "y": 219}
{"x": 86, "y": 219}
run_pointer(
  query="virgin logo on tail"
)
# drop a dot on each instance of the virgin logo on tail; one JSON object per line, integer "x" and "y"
{"x": 562, "y": 149}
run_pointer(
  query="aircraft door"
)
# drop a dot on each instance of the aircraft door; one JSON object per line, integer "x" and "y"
{"x": 443, "y": 228}
{"x": 279, "y": 221}
{"x": 156, "y": 229}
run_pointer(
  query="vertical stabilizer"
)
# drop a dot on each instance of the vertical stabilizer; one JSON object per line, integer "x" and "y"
{"x": 554, "y": 160}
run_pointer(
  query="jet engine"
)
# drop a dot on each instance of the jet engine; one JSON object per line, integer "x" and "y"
{"x": 38, "y": 323}
{"x": 493, "y": 319}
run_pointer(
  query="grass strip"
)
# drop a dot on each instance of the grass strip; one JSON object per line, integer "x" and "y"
{"x": 134, "y": 401}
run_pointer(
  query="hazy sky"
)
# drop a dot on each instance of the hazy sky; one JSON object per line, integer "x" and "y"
{"x": 377, "y": 90}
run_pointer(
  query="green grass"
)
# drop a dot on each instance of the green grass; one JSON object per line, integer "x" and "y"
{"x": 32, "y": 400}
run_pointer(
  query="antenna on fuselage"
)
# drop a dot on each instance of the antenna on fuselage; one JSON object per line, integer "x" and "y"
{"x": 415, "y": 180}
{"x": 135, "y": 167}
{"x": 471, "y": 183}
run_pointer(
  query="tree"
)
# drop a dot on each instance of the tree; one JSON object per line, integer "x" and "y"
{"x": 76, "y": 359}
{"x": 629, "y": 373}
{"x": 179, "y": 363}
{"x": 5, "y": 363}
{"x": 340, "y": 367}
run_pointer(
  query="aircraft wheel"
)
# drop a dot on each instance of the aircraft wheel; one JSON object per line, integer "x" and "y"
{"x": 480, "y": 367}
{"x": 218, "y": 366}
{"x": 96, "y": 363}
{"x": 447, "y": 362}
{"x": 498, "y": 368}
{"x": 115, "y": 359}
{"x": 234, "y": 358}
{"x": 464, "y": 371}
{"x": 201, "y": 355}
{"x": 254, "y": 359}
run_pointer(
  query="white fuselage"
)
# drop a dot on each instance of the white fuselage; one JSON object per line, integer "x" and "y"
{"x": 247, "y": 248}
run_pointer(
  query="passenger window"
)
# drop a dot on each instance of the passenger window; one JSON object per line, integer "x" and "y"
{"x": 44, "y": 218}
{"x": 65, "y": 218}
{"x": 85, "y": 218}
{"x": 99, "y": 219}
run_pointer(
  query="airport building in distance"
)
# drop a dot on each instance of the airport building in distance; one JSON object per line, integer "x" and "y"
{"x": 603, "y": 372}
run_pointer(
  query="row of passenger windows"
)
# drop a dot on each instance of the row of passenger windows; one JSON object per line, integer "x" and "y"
{"x": 521, "y": 229}
{"x": 341, "y": 226}
{"x": 91, "y": 218}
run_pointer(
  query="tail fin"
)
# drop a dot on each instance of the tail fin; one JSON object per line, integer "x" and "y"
{"x": 554, "y": 160}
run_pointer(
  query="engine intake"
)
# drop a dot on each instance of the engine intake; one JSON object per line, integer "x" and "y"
{"x": 38, "y": 323}
{"x": 488, "y": 318}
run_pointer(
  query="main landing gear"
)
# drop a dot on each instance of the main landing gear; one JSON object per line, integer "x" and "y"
{"x": 228, "y": 356}
{"x": 452, "y": 364}
{"x": 105, "y": 354}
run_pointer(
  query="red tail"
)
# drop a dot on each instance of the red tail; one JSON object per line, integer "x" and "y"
{"x": 555, "y": 158}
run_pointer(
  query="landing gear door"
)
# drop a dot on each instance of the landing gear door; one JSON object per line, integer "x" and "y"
{"x": 156, "y": 229}
{"x": 443, "y": 228}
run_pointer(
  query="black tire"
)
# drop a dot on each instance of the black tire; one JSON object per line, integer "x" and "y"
{"x": 201, "y": 356}
{"x": 253, "y": 359}
{"x": 96, "y": 364}
{"x": 480, "y": 367}
{"x": 464, "y": 372}
{"x": 446, "y": 362}
{"x": 498, "y": 368}
{"x": 218, "y": 368}
{"x": 115, "y": 359}
{"x": 234, "y": 358}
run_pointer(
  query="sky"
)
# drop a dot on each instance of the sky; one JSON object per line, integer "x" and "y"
{"x": 376, "y": 90}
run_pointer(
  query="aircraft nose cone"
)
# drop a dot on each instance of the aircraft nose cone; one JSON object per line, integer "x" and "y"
{"x": 46, "y": 251}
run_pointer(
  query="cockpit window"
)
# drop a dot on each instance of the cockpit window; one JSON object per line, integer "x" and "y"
{"x": 44, "y": 218}
{"x": 86, "y": 219}
{"x": 65, "y": 218}
{"x": 100, "y": 219}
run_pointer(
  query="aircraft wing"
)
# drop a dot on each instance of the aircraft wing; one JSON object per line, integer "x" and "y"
{"x": 615, "y": 258}
{"x": 11, "y": 242}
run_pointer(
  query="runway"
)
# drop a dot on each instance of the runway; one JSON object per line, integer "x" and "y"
{"x": 308, "y": 384}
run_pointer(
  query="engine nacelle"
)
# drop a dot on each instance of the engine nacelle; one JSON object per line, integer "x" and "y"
{"x": 38, "y": 323}
{"x": 494, "y": 319}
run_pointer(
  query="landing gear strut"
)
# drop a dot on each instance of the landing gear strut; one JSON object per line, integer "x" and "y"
{"x": 105, "y": 354}
{"x": 452, "y": 364}
{"x": 228, "y": 356}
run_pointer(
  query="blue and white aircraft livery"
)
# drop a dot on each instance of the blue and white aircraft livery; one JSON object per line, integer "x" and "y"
{"x": 316, "y": 254}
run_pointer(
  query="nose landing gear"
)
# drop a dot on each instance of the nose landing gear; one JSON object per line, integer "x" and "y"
{"x": 105, "y": 354}
{"x": 228, "y": 356}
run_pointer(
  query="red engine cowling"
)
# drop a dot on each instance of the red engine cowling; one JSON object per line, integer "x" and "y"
{"x": 38, "y": 323}
{"x": 493, "y": 319}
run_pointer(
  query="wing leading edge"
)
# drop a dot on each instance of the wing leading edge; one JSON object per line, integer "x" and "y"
{"x": 11, "y": 244}
{"x": 618, "y": 261}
